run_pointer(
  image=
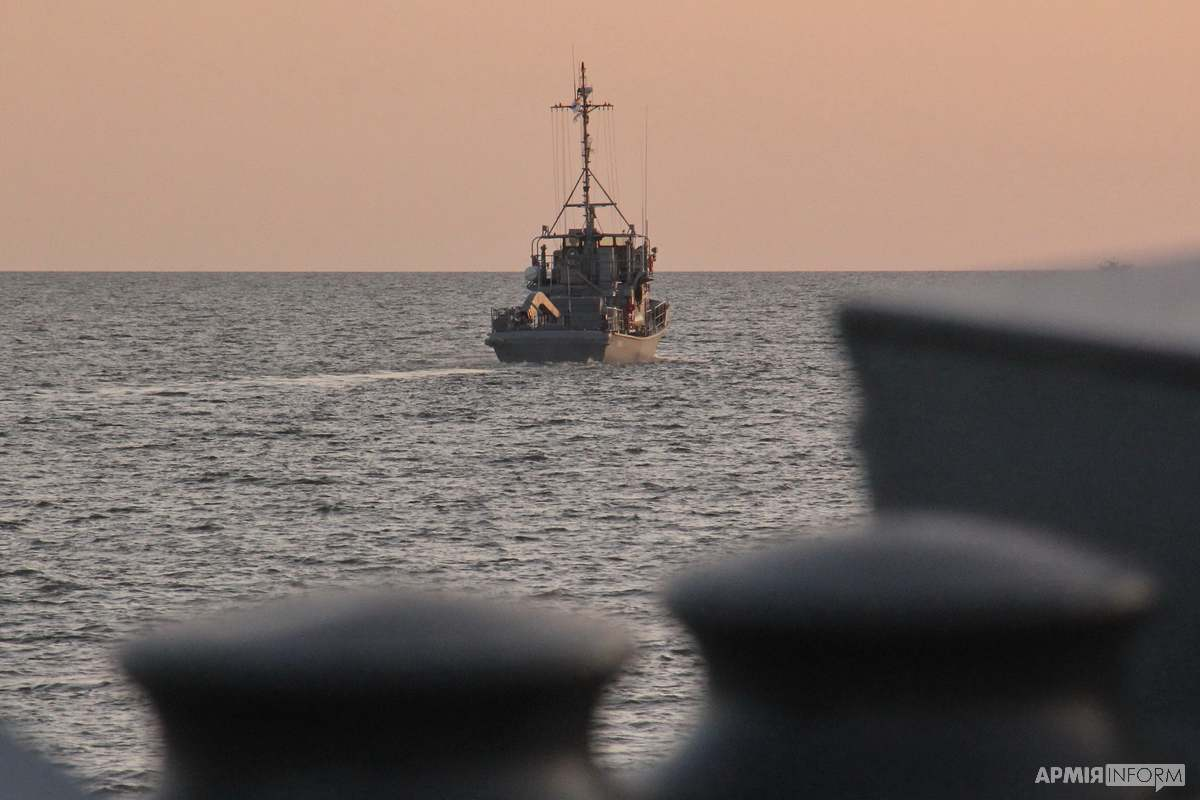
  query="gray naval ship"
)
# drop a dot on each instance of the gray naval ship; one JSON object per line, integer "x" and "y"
{"x": 588, "y": 298}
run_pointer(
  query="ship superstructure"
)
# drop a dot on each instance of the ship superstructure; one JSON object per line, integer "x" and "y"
{"x": 588, "y": 289}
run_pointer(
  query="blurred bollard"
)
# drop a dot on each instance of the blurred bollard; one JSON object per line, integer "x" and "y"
{"x": 391, "y": 696}
{"x": 1065, "y": 400}
{"x": 928, "y": 657}
{"x": 24, "y": 776}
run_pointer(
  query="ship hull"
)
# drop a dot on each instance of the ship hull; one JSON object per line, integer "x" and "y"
{"x": 549, "y": 346}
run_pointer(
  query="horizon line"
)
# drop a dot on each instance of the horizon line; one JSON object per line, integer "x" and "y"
{"x": 494, "y": 271}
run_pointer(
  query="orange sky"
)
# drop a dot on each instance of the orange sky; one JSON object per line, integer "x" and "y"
{"x": 416, "y": 135}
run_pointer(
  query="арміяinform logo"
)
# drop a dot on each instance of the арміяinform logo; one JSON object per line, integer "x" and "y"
{"x": 1156, "y": 775}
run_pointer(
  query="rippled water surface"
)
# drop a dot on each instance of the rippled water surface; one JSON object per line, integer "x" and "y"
{"x": 173, "y": 444}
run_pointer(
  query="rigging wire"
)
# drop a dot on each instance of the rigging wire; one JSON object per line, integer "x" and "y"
{"x": 616, "y": 181}
{"x": 558, "y": 157}
{"x": 562, "y": 171}
{"x": 604, "y": 133}
{"x": 568, "y": 160}
{"x": 564, "y": 124}
{"x": 562, "y": 160}
{"x": 553, "y": 160}
{"x": 611, "y": 144}
{"x": 645, "y": 171}
{"x": 558, "y": 146}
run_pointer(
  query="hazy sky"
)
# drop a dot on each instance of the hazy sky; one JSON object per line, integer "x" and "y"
{"x": 415, "y": 134}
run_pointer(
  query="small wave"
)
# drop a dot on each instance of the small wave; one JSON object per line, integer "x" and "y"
{"x": 335, "y": 380}
{"x": 210, "y": 476}
{"x": 87, "y": 518}
{"x": 318, "y": 480}
{"x": 517, "y": 459}
{"x": 52, "y": 585}
{"x": 321, "y": 380}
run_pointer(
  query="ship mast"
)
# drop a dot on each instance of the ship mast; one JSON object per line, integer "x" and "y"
{"x": 583, "y": 107}
{"x": 585, "y": 91}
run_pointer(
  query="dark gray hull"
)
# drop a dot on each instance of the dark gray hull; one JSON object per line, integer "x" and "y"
{"x": 546, "y": 346}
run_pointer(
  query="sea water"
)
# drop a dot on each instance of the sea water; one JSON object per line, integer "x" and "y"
{"x": 172, "y": 445}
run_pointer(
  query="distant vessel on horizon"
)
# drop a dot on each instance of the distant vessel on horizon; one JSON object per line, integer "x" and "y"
{"x": 588, "y": 299}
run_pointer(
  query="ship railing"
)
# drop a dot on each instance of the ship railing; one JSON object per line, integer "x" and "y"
{"x": 656, "y": 319}
{"x": 616, "y": 320}
{"x": 501, "y": 319}
{"x": 507, "y": 319}
{"x": 659, "y": 312}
